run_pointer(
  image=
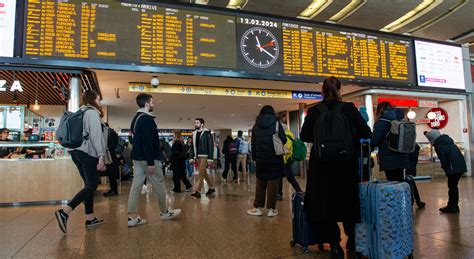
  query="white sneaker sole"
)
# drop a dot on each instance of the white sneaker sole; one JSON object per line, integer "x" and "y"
{"x": 137, "y": 224}
{"x": 176, "y": 214}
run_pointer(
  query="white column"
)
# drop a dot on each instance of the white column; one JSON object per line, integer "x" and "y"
{"x": 369, "y": 104}
{"x": 74, "y": 94}
{"x": 465, "y": 136}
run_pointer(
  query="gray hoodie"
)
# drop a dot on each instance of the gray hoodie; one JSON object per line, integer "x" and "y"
{"x": 96, "y": 144}
{"x": 432, "y": 135}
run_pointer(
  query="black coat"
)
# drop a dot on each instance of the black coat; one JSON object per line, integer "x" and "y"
{"x": 452, "y": 160}
{"x": 269, "y": 165}
{"x": 413, "y": 161}
{"x": 178, "y": 156}
{"x": 332, "y": 190}
{"x": 388, "y": 159}
{"x": 112, "y": 142}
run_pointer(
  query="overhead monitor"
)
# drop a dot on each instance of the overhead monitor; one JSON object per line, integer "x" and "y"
{"x": 439, "y": 65}
{"x": 7, "y": 27}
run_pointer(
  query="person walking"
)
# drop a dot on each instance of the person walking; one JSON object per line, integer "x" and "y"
{"x": 453, "y": 164}
{"x": 88, "y": 158}
{"x": 230, "y": 151}
{"x": 392, "y": 163}
{"x": 270, "y": 166}
{"x": 177, "y": 161}
{"x": 332, "y": 190}
{"x": 243, "y": 148}
{"x": 113, "y": 168}
{"x": 147, "y": 158}
{"x": 203, "y": 149}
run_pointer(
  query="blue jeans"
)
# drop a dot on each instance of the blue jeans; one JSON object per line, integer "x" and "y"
{"x": 189, "y": 168}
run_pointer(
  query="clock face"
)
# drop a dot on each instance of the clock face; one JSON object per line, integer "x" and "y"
{"x": 259, "y": 47}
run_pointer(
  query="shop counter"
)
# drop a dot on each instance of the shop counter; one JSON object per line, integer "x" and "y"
{"x": 52, "y": 179}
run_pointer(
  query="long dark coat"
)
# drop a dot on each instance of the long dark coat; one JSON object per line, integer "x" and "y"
{"x": 332, "y": 191}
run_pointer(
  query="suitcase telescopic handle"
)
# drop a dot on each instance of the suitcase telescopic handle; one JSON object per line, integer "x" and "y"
{"x": 365, "y": 142}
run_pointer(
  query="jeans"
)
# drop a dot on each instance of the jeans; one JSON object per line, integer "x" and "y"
{"x": 230, "y": 161}
{"x": 290, "y": 177}
{"x": 453, "y": 190}
{"x": 266, "y": 190}
{"x": 112, "y": 172}
{"x": 87, "y": 166}
{"x": 203, "y": 175}
{"x": 157, "y": 181}
{"x": 242, "y": 163}
{"x": 189, "y": 168}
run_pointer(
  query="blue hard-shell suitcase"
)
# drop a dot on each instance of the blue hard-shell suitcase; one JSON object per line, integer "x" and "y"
{"x": 304, "y": 233}
{"x": 386, "y": 228}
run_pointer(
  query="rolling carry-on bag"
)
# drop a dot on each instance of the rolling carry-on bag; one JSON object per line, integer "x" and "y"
{"x": 304, "y": 233}
{"x": 386, "y": 228}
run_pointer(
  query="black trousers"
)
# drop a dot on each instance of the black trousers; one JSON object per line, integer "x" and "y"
{"x": 394, "y": 175}
{"x": 179, "y": 175}
{"x": 230, "y": 161}
{"x": 87, "y": 166}
{"x": 290, "y": 177}
{"x": 329, "y": 232}
{"x": 112, "y": 172}
{"x": 453, "y": 190}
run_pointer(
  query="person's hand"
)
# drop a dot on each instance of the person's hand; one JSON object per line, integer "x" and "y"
{"x": 101, "y": 164}
{"x": 151, "y": 169}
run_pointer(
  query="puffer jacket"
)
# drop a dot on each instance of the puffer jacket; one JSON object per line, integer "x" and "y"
{"x": 269, "y": 165}
{"x": 388, "y": 159}
{"x": 452, "y": 160}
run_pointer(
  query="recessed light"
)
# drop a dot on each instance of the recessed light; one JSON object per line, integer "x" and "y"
{"x": 259, "y": 104}
{"x": 233, "y": 114}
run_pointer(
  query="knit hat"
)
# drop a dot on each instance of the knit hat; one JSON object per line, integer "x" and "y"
{"x": 432, "y": 135}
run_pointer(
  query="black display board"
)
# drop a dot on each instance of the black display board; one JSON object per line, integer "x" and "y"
{"x": 183, "y": 37}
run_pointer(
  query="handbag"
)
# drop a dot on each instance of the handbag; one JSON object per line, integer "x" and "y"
{"x": 280, "y": 148}
{"x": 108, "y": 158}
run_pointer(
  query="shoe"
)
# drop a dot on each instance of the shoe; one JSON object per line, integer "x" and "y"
{"x": 337, "y": 252}
{"x": 272, "y": 213}
{"x": 196, "y": 195}
{"x": 189, "y": 189}
{"x": 136, "y": 222}
{"x": 255, "y": 212}
{"x": 449, "y": 209}
{"x": 170, "y": 214}
{"x": 144, "y": 189}
{"x": 420, "y": 204}
{"x": 110, "y": 193}
{"x": 210, "y": 191}
{"x": 94, "y": 222}
{"x": 62, "y": 218}
{"x": 235, "y": 181}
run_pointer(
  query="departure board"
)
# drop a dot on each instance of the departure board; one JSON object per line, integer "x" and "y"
{"x": 220, "y": 41}
{"x": 137, "y": 33}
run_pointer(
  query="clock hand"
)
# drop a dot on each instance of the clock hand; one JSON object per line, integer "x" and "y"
{"x": 258, "y": 43}
{"x": 271, "y": 44}
{"x": 264, "y": 50}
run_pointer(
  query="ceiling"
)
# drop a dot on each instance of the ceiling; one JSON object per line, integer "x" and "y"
{"x": 375, "y": 14}
{"x": 178, "y": 111}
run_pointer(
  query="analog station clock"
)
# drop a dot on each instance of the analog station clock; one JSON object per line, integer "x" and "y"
{"x": 259, "y": 47}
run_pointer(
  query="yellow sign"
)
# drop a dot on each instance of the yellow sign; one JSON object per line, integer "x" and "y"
{"x": 209, "y": 90}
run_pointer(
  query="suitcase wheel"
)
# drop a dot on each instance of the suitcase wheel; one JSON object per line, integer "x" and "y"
{"x": 410, "y": 256}
{"x": 292, "y": 243}
{"x": 305, "y": 250}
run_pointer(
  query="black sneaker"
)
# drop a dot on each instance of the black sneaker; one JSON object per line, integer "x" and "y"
{"x": 420, "y": 204}
{"x": 449, "y": 209}
{"x": 94, "y": 222}
{"x": 210, "y": 191}
{"x": 196, "y": 195}
{"x": 110, "y": 193}
{"x": 62, "y": 217}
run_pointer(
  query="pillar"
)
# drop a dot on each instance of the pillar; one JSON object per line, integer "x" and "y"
{"x": 74, "y": 94}
{"x": 369, "y": 105}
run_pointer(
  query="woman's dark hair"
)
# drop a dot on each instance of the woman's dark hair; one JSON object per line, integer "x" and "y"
{"x": 267, "y": 109}
{"x": 229, "y": 138}
{"x": 383, "y": 107}
{"x": 331, "y": 88}
{"x": 88, "y": 98}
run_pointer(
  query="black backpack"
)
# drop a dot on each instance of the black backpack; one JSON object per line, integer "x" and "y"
{"x": 333, "y": 135}
{"x": 70, "y": 131}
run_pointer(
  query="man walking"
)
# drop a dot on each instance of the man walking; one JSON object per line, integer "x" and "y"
{"x": 203, "y": 149}
{"x": 244, "y": 149}
{"x": 147, "y": 158}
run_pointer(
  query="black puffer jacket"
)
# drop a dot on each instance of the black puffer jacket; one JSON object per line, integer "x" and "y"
{"x": 452, "y": 160}
{"x": 389, "y": 160}
{"x": 269, "y": 165}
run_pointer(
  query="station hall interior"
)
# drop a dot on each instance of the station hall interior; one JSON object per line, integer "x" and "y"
{"x": 193, "y": 58}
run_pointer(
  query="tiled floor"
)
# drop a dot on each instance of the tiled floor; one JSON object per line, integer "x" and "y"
{"x": 215, "y": 227}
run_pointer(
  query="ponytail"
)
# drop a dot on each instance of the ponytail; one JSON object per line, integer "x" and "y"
{"x": 331, "y": 89}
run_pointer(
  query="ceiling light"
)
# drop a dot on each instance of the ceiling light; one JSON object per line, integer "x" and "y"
{"x": 36, "y": 107}
{"x": 233, "y": 115}
{"x": 237, "y": 4}
{"x": 313, "y": 9}
{"x": 411, "y": 115}
{"x": 440, "y": 17}
{"x": 431, "y": 115}
{"x": 347, "y": 11}
{"x": 260, "y": 104}
{"x": 203, "y": 2}
{"x": 412, "y": 15}
{"x": 155, "y": 82}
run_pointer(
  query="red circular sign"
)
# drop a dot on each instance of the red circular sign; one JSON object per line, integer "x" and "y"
{"x": 441, "y": 119}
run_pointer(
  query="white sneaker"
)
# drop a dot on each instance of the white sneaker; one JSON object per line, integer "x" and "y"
{"x": 170, "y": 214}
{"x": 144, "y": 189}
{"x": 255, "y": 212}
{"x": 272, "y": 212}
{"x": 136, "y": 222}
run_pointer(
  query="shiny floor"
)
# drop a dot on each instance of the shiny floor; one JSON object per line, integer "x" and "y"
{"x": 214, "y": 227}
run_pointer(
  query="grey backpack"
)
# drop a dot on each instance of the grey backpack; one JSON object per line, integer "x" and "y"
{"x": 402, "y": 136}
{"x": 70, "y": 131}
